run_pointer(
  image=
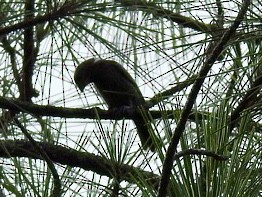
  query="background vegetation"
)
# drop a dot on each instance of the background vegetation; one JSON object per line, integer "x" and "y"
{"x": 198, "y": 64}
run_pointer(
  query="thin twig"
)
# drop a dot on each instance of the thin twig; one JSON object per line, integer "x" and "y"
{"x": 66, "y": 9}
{"x": 157, "y": 11}
{"x": 201, "y": 152}
{"x": 167, "y": 93}
{"x": 247, "y": 101}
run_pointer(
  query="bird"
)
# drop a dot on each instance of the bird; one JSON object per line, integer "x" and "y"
{"x": 118, "y": 89}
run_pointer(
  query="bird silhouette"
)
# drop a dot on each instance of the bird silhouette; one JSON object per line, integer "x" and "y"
{"x": 118, "y": 89}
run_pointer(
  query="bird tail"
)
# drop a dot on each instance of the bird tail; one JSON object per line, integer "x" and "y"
{"x": 144, "y": 134}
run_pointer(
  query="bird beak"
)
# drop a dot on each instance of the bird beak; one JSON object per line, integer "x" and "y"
{"x": 82, "y": 89}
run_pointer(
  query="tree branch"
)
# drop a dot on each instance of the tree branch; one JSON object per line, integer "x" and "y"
{"x": 29, "y": 56}
{"x": 57, "y": 182}
{"x": 74, "y": 158}
{"x": 66, "y": 9}
{"x": 168, "y": 163}
{"x": 166, "y": 94}
{"x": 158, "y": 11}
{"x": 247, "y": 101}
{"x": 201, "y": 152}
{"x": 89, "y": 161}
{"x": 63, "y": 112}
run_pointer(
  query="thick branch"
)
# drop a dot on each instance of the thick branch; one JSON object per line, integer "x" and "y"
{"x": 28, "y": 59}
{"x": 73, "y": 158}
{"x": 63, "y": 112}
{"x": 89, "y": 161}
{"x": 168, "y": 163}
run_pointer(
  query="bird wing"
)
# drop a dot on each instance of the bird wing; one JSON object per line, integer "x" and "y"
{"x": 124, "y": 72}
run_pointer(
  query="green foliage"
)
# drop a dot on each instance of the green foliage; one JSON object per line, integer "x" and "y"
{"x": 163, "y": 45}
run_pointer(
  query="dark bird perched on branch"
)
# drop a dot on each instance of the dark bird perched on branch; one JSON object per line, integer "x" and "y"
{"x": 118, "y": 89}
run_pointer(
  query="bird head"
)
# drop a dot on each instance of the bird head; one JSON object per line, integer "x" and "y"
{"x": 83, "y": 73}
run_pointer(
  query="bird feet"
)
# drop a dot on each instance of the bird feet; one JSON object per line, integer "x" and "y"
{"x": 119, "y": 112}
